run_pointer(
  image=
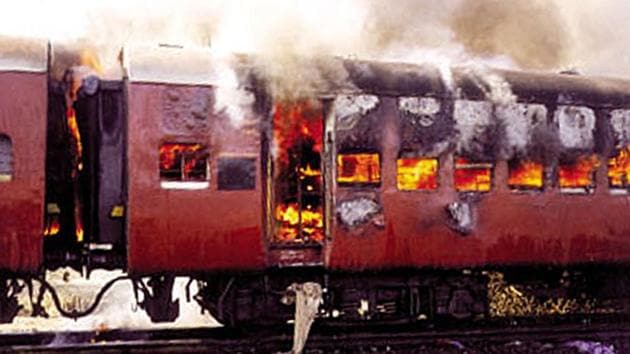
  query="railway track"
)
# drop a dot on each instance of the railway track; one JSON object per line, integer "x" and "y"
{"x": 599, "y": 338}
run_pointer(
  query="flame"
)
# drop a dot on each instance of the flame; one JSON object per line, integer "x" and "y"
{"x": 417, "y": 174}
{"x": 358, "y": 168}
{"x": 309, "y": 171}
{"x": 73, "y": 127}
{"x": 619, "y": 169}
{"x": 295, "y": 121}
{"x": 472, "y": 177}
{"x": 526, "y": 174}
{"x": 291, "y": 220}
{"x": 579, "y": 174}
{"x": 191, "y": 155}
{"x": 52, "y": 225}
{"x": 90, "y": 59}
{"x": 79, "y": 232}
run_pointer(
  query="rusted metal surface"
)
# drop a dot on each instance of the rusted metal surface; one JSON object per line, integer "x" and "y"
{"x": 189, "y": 230}
{"x": 23, "y": 119}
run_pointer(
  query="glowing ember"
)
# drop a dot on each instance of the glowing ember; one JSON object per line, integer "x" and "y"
{"x": 417, "y": 174}
{"x": 619, "y": 169}
{"x": 290, "y": 220}
{"x": 472, "y": 177}
{"x": 580, "y": 174}
{"x": 358, "y": 168}
{"x": 183, "y": 161}
{"x": 526, "y": 175}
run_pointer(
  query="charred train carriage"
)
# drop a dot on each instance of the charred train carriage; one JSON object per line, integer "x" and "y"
{"x": 394, "y": 189}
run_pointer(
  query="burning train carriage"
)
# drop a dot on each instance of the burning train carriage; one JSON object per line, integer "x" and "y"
{"x": 386, "y": 187}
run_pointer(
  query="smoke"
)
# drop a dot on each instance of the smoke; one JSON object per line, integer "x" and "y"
{"x": 542, "y": 35}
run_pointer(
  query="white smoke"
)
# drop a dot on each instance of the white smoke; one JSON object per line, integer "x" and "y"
{"x": 548, "y": 35}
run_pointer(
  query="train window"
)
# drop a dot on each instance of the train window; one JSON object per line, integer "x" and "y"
{"x": 236, "y": 173}
{"x": 183, "y": 166}
{"x": 472, "y": 176}
{"x": 6, "y": 158}
{"x": 359, "y": 169}
{"x": 619, "y": 171}
{"x": 525, "y": 175}
{"x": 416, "y": 173}
{"x": 619, "y": 162}
{"x": 578, "y": 176}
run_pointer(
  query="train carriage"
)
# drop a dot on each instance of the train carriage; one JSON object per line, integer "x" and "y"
{"x": 395, "y": 189}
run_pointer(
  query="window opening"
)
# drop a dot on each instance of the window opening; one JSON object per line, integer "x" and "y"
{"x": 359, "y": 168}
{"x": 525, "y": 175}
{"x": 578, "y": 177}
{"x": 6, "y": 158}
{"x": 419, "y": 173}
{"x": 183, "y": 166}
{"x": 472, "y": 176}
{"x": 619, "y": 171}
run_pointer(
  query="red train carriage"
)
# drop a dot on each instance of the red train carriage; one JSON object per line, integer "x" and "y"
{"x": 23, "y": 91}
{"x": 394, "y": 189}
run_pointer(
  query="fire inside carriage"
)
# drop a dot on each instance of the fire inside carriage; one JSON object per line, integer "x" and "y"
{"x": 395, "y": 192}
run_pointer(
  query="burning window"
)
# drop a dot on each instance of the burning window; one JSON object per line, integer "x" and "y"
{"x": 6, "y": 158}
{"x": 472, "y": 176}
{"x": 236, "y": 173}
{"x": 619, "y": 171}
{"x": 297, "y": 180}
{"x": 578, "y": 176}
{"x": 359, "y": 168}
{"x": 417, "y": 174}
{"x": 184, "y": 166}
{"x": 525, "y": 175}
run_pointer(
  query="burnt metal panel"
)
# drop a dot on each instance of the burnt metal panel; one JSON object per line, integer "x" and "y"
{"x": 237, "y": 173}
{"x": 23, "y": 120}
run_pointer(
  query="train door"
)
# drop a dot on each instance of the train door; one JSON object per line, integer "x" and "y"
{"x": 86, "y": 176}
{"x": 295, "y": 184}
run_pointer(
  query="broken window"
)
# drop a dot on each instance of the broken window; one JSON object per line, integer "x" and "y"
{"x": 236, "y": 173}
{"x": 619, "y": 171}
{"x": 525, "y": 175}
{"x": 359, "y": 169}
{"x": 183, "y": 166}
{"x": 578, "y": 176}
{"x": 416, "y": 173}
{"x": 6, "y": 158}
{"x": 472, "y": 176}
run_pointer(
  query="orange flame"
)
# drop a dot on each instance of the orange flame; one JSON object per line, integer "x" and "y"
{"x": 472, "y": 177}
{"x": 188, "y": 154}
{"x": 526, "y": 174}
{"x": 619, "y": 169}
{"x": 417, "y": 174}
{"x": 579, "y": 174}
{"x": 291, "y": 220}
{"x": 52, "y": 226}
{"x": 73, "y": 127}
{"x": 358, "y": 168}
{"x": 297, "y": 120}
